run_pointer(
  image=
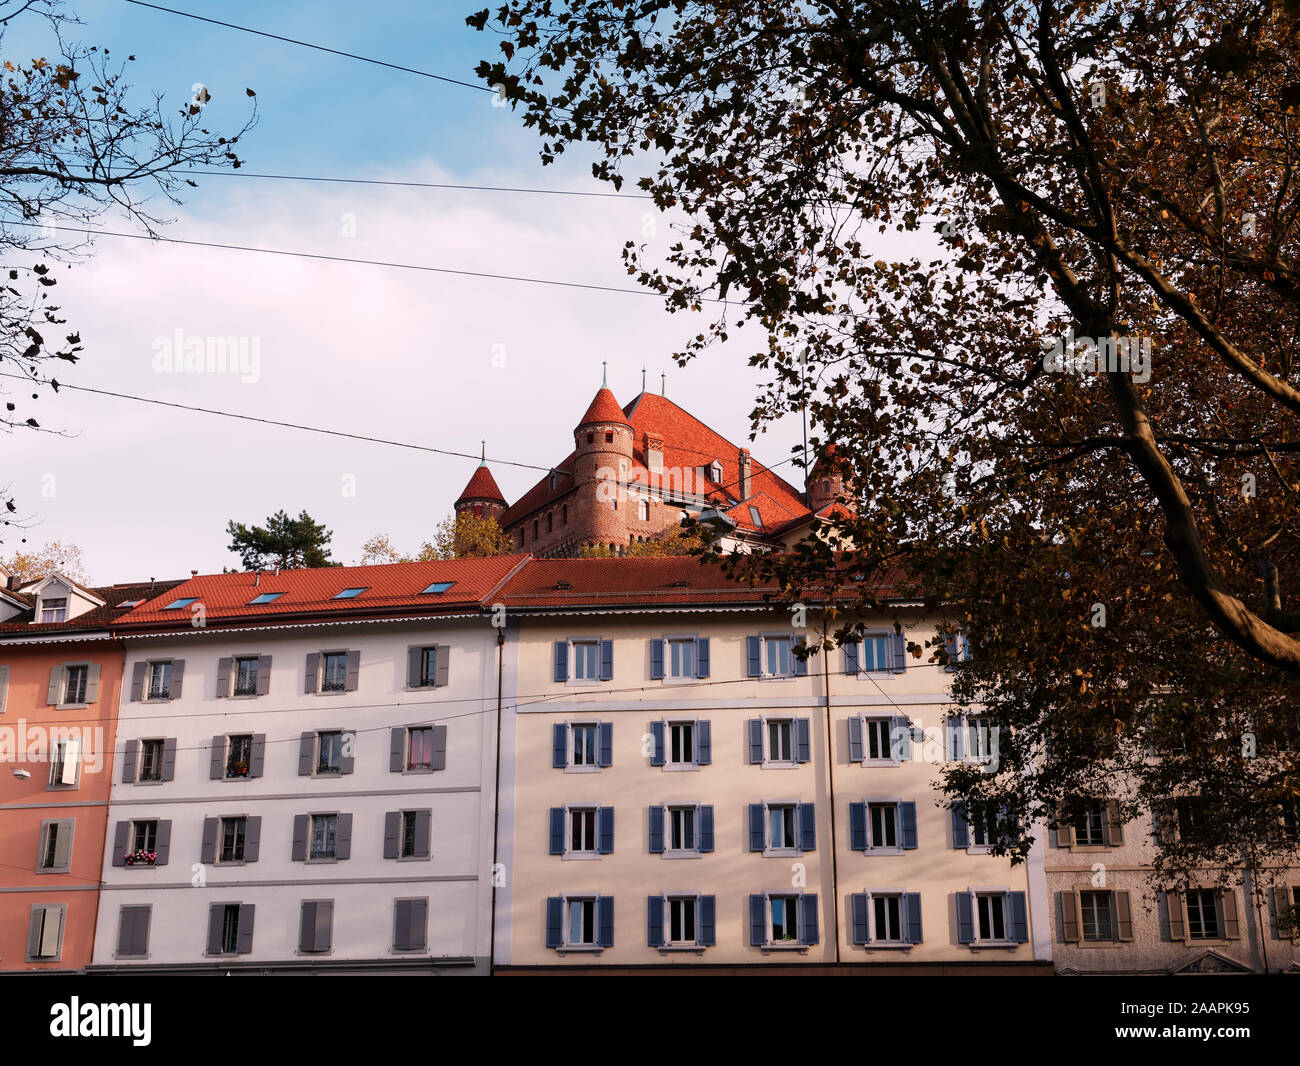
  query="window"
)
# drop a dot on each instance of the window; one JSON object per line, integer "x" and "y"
{"x": 583, "y": 746}
{"x": 1097, "y": 915}
{"x": 781, "y": 826}
{"x": 54, "y": 610}
{"x": 329, "y": 753}
{"x": 229, "y": 941}
{"x": 887, "y": 918}
{"x": 774, "y": 656}
{"x": 144, "y": 836}
{"x": 334, "y": 671}
{"x": 55, "y": 852}
{"x": 536, "y": 531}
{"x": 246, "y": 670}
{"x": 981, "y": 739}
{"x": 779, "y": 660}
{"x": 882, "y": 825}
{"x": 682, "y": 835}
{"x": 75, "y": 678}
{"x": 550, "y": 522}
{"x": 877, "y": 738}
{"x": 681, "y": 920}
{"x": 1202, "y": 914}
{"x": 782, "y": 742}
{"x": 564, "y": 515}
{"x": 681, "y": 743}
{"x": 350, "y": 594}
{"x": 408, "y": 834}
{"x": 442, "y": 586}
{"x": 234, "y": 832}
{"x": 45, "y": 932}
{"x": 420, "y": 748}
{"x": 133, "y": 932}
{"x": 1090, "y": 825}
{"x": 410, "y": 924}
{"x": 324, "y": 835}
{"x": 151, "y": 760}
{"x": 785, "y": 919}
{"x": 984, "y": 831}
{"x": 990, "y": 916}
{"x": 882, "y": 821}
{"x": 591, "y": 438}
{"x": 177, "y": 605}
{"x": 643, "y": 510}
{"x": 239, "y": 755}
{"x": 958, "y": 647}
{"x": 582, "y": 831}
{"x": 316, "y": 927}
{"x": 715, "y": 473}
{"x": 410, "y": 837}
{"x": 609, "y": 436}
{"x": 159, "y": 681}
{"x": 428, "y": 667}
{"x": 581, "y": 925}
{"x": 129, "y": 603}
{"x": 876, "y": 653}
{"x": 586, "y": 660}
{"x": 65, "y": 764}
{"x": 681, "y": 659}
{"x": 755, "y": 517}
{"x": 265, "y": 597}
{"x": 583, "y": 660}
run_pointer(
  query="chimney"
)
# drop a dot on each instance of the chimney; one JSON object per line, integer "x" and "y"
{"x": 194, "y": 573}
{"x": 744, "y": 488}
{"x": 654, "y": 452}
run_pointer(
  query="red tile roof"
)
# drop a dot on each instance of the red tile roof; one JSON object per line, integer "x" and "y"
{"x": 658, "y": 580}
{"x": 482, "y": 486}
{"x": 604, "y": 408}
{"x": 97, "y": 618}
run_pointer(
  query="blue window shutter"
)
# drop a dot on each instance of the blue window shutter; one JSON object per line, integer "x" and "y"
{"x": 898, "y": 649}
{"x": 656, "y": 830}
{"x": 855, "y": 739}
{"x": 950, "y": 646}
{"x": 756, "y": 833}
{"x": 657, "y": 736}
{"x": 858, "y": 826}
{"x": 803, "y": 740}
{"x": 654, "y": 910}
{"x": 755, "y": 726}
{"x": 753, "y": 662}
{"x": 606, "y": 660}
{"x": 800, "y": 665}
{"x": 851, "y": 660}
{"x": 807, "y": 827}
{"x": 900, "y": 740}
{"x": 703, "y": 744}
{"x": 605, "y": 757}
{"x": 702, "y": 662}
{"x": 912, "y": 917}
{"x": 1019, "y": 918}
{"x": 954, "y": 737}
{"x": 560, "y": 736}
{"x": 657, "y": 659}
{"x": 706, "y": 828}
{"x": 554, "y": 922}
{"x": 908, "y": 812}
{"x": 757, "y": 921}
{"x": 605, "y": 830}
{"x": 965, "y": 920}
{"x": 557, "y": 830}
{"x": 605, "y": 909}
{"x": 861, "y": 929}
{"x": 708, "y": 934}
{"x": 561, "y": 660}
{"x": 808, "y": 918}
{"x": 960, "y": 829}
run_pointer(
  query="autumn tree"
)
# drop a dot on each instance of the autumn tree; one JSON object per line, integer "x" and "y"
{"x": 29, "y": 565}
{"x": 284, "y": 543}
{"x": 1031, "y": 267}
{"x": 676, "y": 541}
{"x": 461, "y": 536}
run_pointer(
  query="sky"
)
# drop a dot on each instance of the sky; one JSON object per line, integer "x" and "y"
{"x": 422, "y": 358}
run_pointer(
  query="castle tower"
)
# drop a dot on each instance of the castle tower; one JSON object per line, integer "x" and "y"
{"x": 481, "y": 498}
{"x": 826, "y": 483}
{"x": 602, "y": 461}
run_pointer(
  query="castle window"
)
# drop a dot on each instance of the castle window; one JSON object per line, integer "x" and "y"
{"x": 591, "y": 438}
{"x": 609, "y": 436}
{"x": 715, "y": 472}
{"x": 826, "y": 488}
{"x": 552, "y": 480}
{"x": 535, "y": 534}
{"x": 643, "y": 510}
{"x": 564, "y": 515}
{"x": 478, "y": 510}
{"x": 550, "y": 522}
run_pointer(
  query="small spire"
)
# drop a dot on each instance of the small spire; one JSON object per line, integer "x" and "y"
{"x": 643, "y": 379}
{"x": 663, "y": 384}
{"x": 484, "y": 454}
{"x": 603, "y": 369}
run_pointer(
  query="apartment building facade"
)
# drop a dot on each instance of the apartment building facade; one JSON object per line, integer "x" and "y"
{"x": 689, "y": 793}
{"x": 305, "y": 774}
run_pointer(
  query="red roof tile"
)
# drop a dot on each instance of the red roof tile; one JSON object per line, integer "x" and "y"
{"x": 482, "y": 486}
{"x": 624, "y": 583}
{"x": 604, "y": 408}
{"x": 95, "y": 619}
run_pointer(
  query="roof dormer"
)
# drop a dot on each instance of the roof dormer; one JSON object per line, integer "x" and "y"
{"x": 60, "y": 599}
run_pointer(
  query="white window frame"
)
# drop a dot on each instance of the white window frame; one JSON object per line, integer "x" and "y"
{"x": 787, "y": 850}
{"x": 221, "y": 839}
{"x": 669, "y": 640}
{"x": 885, "y": 849}
{"x": 311, "y": 837}
{"x": 763, "y": 640}
{"x": 65, "y": 682}
{"x": 1112, "y": 915}
{"x": 671, "y": 898}
{"x": 780, "y": 764}
{"x": 574, "y": 644}
{"x": 1216, "y": 904}
{"x": 326, "y": 654}
{"x": 55, "y": 605}
{"x": 877, "y": 941}
{"x": 569, "y": 945}
{"x": 783, "y": 945}
{"x": 585, "y": 854}
{"x": 68, "y": 755}
{"x": 62, "y": 911}
{"x": 1005, "y": 895}
{"x": 681, "y": 853}
{"x": 868, "y": 720}
{"x": 571, "y": 765}
{"x": 55, "y": 827}
{"x": 692, "y": 763}
{"x": 860, "y": 641}
{"x": 1104, "y": 829}
{"x": 150, "y": 666}
{"x": 234, "y": 676}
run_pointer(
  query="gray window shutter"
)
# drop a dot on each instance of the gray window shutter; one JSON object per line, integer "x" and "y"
{"x": 657, "y": 736}
{"x": 1228, "y": 909}
{"x": 965, "y": 919}
{"x": 803, "y": 740}
{"x": 858, "y": 828}
{"x": 423, "y": 833}
{"x": 960, "y": 828}
{"x": 208, "y": 846}
{"x": 654, "y": 909}
{"x": 912, "y": 917}
{"x": 560, "y": 739}
{"x": 443, "y": 664}
{"x": 306, "y": 749}
{"x": 217, "y": 759}
{"x": 92, "y": 683}
{"x": 757, "y": 920}
{"x": 606, "y": 660}
{"x": 757, "y": 834}
{"x": 263, "y": 675}
{"x": 245, "y": 941}
{"x": 392, "y": 834}
{"x": 34, "y": 930}
{"x": 1114, "y": 824}
{"x": 955, "y": 747}
{"x": 1123, "y": 916}
{"x": 56, "y": 685}
{"x": 252, "y": 838}
{"x": 397, "y": 749}
{"x": 858, "y": 918}
{"x": 702, "y": 662}
{"x": 307, "y": 927}
{"x": 703, "y": 743}
{"x": 753, "y": 660}
{"x": 605, "y": 914}
{"x": 855, "y": 739}
{"x": 800, "y": 665}
{"x": 137, "y": 682}
{"x": 343, "y": 838}
{"x": 417, "y": 935}
{"x": 898, "y": 652}
{"x": 402, "y": 925}
{"x": 657, "y": 674}
{"x": 258, "y": 759}
{"x": 133, "y": 931}
{"x": 120, "y": 837}
{"x": 1174, "y": 905}
{"x": 1064, "y": 830}
{"x": 557, "y": 830}
{"x": 606, "y": 734}
{"x": 175, "y": 683}
{"x": 224, "y": 669}
{"x": 354, "y": 671}
{"x": 62, "y": 831}
{"x": 708, "y": 928}
{"x": 605, "y": 829}
{"x": 311, "y": 673}
{"x": 851, "y": 667}
{"x": 907, "y": 813}
{"x": 807, "y": 827}
{"x": 656, "y": 830}
{"x": 216, "y": 916}
{"x": 129, "y": 750}
{"x": 414, "y": 665}
{"x": 169, "y": 759}
{"x": 554, "y": 922}
{"x": 706, "y": 828}
{"x": 808, "y": 933}
{"x": 900, "y": 739}
{"x": 348, "y": 740}
{"x": 561, "y": 660}
{"x": 163, "y": 846}
{"x": 755, "y": 728}
{"x": 1068, "y": 907}
{"x": 1019, "y": 918}
{"x": 324, "y": 925}
{"x": 300, "y": 837}
{"x": 439, "y": 761}
{"x": 4, "y": 687}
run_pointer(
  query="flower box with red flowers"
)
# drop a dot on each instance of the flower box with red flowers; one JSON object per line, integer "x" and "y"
{"x": 141, "y": 858}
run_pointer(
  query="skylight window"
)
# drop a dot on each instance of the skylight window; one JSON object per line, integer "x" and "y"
{"x": 129, "y": 603}
{"x": 176, "y": 605}
{"x": 351, "y": 594}
{"x": 438, "y": 586}
{"x": 265, "y": 597}
{"x": 755, "y": 517}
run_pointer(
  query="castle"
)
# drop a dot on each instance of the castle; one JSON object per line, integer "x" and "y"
{"x": 635, "y": 472}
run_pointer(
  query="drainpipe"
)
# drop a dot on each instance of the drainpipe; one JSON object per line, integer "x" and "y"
{"x": 496, "y": 803}
{"x": 830, "y": 788}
